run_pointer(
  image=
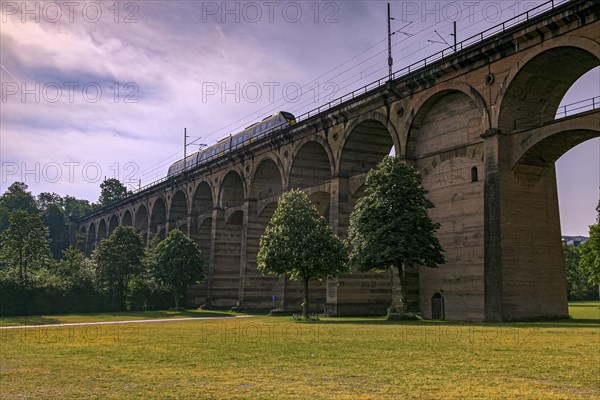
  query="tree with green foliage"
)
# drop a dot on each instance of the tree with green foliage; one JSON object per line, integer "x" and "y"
{"x": 46, "y": 199}
{"x": 56, "y": 221}
{"x": 299, "y": 242}
{"x": 16, "y": 198}
{"x": 74, "y": 269}
{"x": 578, "y": 288}
{"x": 178, "y": 264}
{"x": 390, "y": 226}
{"x": 24, "y": 245}
{"x": 111, "y": 191}
{"x": 75, "y": 208}
{"x": 589, "y": 263}
{"x": 119, "y": 258}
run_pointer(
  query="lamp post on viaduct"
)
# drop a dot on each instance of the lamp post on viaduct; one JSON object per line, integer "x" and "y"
{"x": 479, "y": 123}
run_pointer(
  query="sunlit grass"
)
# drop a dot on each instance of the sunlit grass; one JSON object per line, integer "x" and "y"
{"x": 584, "y": 310}
{"x": 277, "y": 358}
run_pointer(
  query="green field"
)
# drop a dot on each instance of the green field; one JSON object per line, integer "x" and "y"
{"x": 277, "y": 358}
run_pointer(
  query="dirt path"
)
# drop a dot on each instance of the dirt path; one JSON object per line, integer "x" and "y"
{"x": 134, "y": 321}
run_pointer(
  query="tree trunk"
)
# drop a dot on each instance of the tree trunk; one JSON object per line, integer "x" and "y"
{"x": 176, "y": 297}
{"x": 398, "y": 302}
{"x": 306, "y": 300}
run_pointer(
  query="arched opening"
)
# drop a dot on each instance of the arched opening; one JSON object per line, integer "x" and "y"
{"x": 201, "y": 225}
{"x": 141, "y": 222}
{"x": 259, "y": 289}
{"x": 90, "y": 244}
{"x": 126, "y": 220}
{"x": 265, "y": 188}
{"x": 201, "y": 233}
{"x": 534, "y": 95}
{"x": 437, "y": 306}
{"x": 112, "y": 224}
{"x": 158, "y": 218}
{"x": 444, "y": 143}
{"x": 267, "y": 181}
{"x": 367, "y": 144}
{"x": 311, "y": 166}
{"x": 224, "y": 282}
{"x": 102, "y": 232}
{"x": 178, "y": 212}
{"x": 577, "y": 170}
{"x": 232, "y": 191}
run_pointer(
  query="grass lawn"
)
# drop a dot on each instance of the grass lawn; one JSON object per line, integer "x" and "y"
{"x": 584, "y": 310}
{"x": 277, "y": 358}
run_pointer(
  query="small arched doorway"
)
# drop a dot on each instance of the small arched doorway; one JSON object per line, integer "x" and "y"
{"x": 437, "y": 306}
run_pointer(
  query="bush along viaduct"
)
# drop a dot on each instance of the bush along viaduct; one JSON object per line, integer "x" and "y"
{"x": 482, "y": 124}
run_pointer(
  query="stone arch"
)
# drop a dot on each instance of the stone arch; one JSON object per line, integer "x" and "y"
{"x": 141, "y": 218}
{"x": 458, "y": 102}
{"x": 266, "y": 180}
{"x": 202, "y": 200}
{"x": 265, "y": 187}
{"x": 158, "y": 218}
{"x": 113, "y": 223}
{"x": 126, "y": 219}
{"x": 545, "y": 145}
{"x": 366, "y": 141}
{"x": 90, "y": 243}
{"x": 232, "y": 190}
{"x": 201, "y": 224}
{"x": 102, "y": 230}
{"x": 312, "y": 164}
{"x": 178, "y": 212}
{"x": 224, "y": 278}
{"x": 201, "y": 215}
{"x": 538, "y": 82}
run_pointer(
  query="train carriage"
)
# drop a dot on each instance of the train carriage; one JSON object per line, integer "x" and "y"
{"x": 232, "y": 142}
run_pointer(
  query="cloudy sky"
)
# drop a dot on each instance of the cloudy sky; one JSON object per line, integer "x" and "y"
{"x": 94, "y": 89}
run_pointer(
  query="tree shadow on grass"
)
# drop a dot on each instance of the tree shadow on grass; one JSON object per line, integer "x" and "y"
{"x": 157, "y": 314}
{"x": 106, "y": 317}
{"x": 28, "y": 320}
{"x": 558, "y": 323}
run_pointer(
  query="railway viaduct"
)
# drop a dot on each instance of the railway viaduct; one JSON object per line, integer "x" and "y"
{"x": 479, "y": 123}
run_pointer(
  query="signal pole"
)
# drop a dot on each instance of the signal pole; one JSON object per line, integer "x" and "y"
{"x": 185, "y": 136}
{"x": 390, "y": 59}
